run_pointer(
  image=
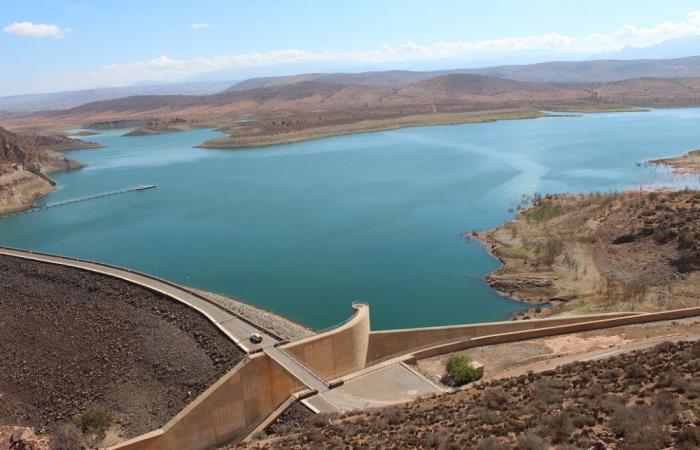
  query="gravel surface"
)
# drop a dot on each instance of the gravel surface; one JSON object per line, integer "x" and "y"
{"x": 70, "y": 338}
{"x": 277, "y": 325}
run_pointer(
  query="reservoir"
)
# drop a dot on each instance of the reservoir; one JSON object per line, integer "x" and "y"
{"x": 305, "y": 229}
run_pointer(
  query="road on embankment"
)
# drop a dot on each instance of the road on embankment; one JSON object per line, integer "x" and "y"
{"x": 233, "y": 326}
{"x": 237, "y": 329}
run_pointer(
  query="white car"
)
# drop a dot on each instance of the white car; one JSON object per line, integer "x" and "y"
{"x": 255, "y": 338}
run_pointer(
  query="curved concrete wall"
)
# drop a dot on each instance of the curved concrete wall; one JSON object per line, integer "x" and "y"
{"x": 384, "y": 344}
{"x": 225, "y": 412}
{"x": 336, "y": 352}
{"x": 552, "y": 330}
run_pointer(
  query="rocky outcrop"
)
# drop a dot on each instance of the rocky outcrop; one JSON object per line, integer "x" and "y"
{"x": 24, "y": 162}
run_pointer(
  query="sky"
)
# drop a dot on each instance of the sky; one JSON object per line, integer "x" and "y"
{"x": 60, "y": 45}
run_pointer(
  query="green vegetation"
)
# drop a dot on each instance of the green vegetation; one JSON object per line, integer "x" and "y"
{"x": 461, "y": 370}
{"x": 545, "y": 212}
{"x": 93, "y": 422}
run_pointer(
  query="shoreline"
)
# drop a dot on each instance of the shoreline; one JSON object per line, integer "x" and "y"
{"x": 569, "y": 252}
{"x": 244, "y": 141}
{"x": 236, "y": 142}
{"x": 22, "y": 184}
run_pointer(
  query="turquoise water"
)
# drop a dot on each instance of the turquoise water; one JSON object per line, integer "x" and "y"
{"x": 305, "y": 229}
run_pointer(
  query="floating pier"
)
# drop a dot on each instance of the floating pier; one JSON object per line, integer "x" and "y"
{"x": 140, "y": 187}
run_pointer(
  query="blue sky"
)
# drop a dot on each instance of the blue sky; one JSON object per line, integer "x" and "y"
{"x": 56, "y": 45}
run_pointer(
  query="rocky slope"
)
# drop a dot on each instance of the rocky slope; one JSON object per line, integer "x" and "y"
{"x": 308, "y": 108}
{"x": 70, "y": 339}
{"x": 642, "y": 400}
{"x": 627, "y": 251}
{"x": 23, "y": 157}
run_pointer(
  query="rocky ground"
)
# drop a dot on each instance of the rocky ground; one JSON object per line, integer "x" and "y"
{"x": 293, "y": 417}
{"x": 637, "y": 401}
{"x": 277, "y": 325}
{"x": 626, "y": 251}
{"x": 70, "y": 339}
{"x": 20, "y": 186}
{"x": 539, "y": 354}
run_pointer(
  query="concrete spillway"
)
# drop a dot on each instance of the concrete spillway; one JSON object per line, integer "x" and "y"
{"x": 141, "y": 187}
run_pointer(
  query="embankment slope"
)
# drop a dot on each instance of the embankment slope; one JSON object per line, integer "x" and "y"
{"x": 72, "y": 338}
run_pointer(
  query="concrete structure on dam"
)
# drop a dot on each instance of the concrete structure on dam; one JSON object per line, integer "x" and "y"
{"x": 274, "y": 374}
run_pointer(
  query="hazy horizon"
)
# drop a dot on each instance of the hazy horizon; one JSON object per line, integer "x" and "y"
{"x": 66, "y": 45}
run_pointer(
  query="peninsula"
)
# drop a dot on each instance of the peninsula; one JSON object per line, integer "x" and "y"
{"x": 636, "y": 250}
{"x": 295, "y": 109}
{"x": 25, "y": 159}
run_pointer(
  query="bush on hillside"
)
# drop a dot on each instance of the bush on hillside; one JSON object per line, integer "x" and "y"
{"x": 461, "y": 370}
{"x": 93, "y": 422}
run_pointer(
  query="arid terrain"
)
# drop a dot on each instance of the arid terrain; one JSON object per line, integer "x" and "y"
{"x": 638, "y": 400}
{"x": 688, "y": 163}
{"x": 272, "y": 113}
{"x": 24, "y": 159}
{"x": 593, "y": 252}
{"x": 73, "y": 339}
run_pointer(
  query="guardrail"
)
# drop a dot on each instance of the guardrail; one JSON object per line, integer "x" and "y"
{"x": 149, "y": 276}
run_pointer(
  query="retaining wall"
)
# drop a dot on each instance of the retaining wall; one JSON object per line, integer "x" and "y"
{"x": 384, "y": 344}
{"x": 225, "y": 412}
{"x": 336, "y": 352}
{"x": 553, "y": 330}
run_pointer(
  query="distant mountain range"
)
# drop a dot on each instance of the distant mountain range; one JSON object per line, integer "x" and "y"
{"x": 70, "y": 99}
{"x": 290, "y": 109}
{"x": 598, "y": 71}
{"x": 670, "y": 49}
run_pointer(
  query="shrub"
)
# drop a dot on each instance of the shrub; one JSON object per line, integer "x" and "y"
{"x": 531, "y": 441}
{"x": 494, "y": 398}
{"x": 557, "y": 427}
{"x": 491, "y": 443}
{"x": 94, "y": 421}
{"x": 66, "y": 437}
{"x": 689, "y": 437}
{"x": 461, "y": 370}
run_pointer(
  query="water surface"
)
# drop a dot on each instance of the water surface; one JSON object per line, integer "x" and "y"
{"x": 305, "y": 229}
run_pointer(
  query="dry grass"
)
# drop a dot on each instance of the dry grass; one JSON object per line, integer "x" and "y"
{"x": 640, "y": 400}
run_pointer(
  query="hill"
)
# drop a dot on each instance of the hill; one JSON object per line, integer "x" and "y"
{"x": 24, "y": 159}
{"x": 597, "y": 71}
{"x": 310, "y": 109}
{"x": 69, "y": 99}
{"x": 639, "y": 400}
{"x": 603, "y": 70}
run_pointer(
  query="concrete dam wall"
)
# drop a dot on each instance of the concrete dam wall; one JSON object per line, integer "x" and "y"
{"x": 337, "y": 352}
{"x": 226, "y": 411}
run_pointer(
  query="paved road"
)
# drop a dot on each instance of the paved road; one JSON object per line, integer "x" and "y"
{"x": 297, "y": 369}
{"x": 236, "y": 329}
{"x": 387, "y": 386}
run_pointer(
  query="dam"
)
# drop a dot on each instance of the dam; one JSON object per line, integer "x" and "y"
{"x": 316, "y": 369}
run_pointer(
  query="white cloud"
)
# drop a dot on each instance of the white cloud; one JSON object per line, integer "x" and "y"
{"x": 167, "y": 68}
{"x": 37, "y": 30}
{"x": 200, "y": 26}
